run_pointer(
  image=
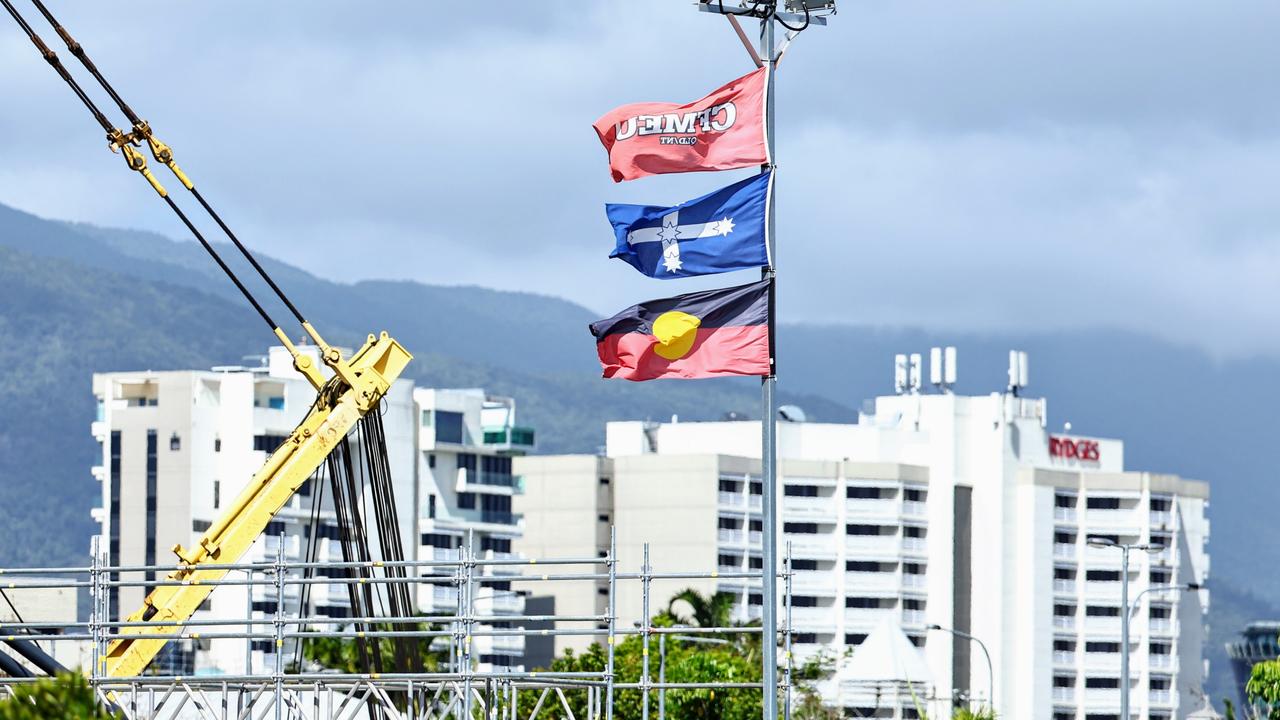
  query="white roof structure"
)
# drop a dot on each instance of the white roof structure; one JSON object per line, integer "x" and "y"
{"x": 1205, "y": 713}
{"x": 886, "y": 656}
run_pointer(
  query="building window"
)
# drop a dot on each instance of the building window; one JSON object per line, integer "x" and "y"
{"x": 800, "y": 491}
{"x": 153, "y": 444}
{"x": 1102, "y": 611}
{"x": 1064, "y": 681}
{"x": 200, "y": 525}
{"x": 304, "y": 490}
{"x": 217, "y": 444}
{"x": 729, "y": 561}
{"x": 113, "y": 545}
{"x": 467, "y": 501}
{"x": 917, "y": 640}
{"x": 217, "y": 493}
{"x": 755, "y": 563}
{"x": 1161, "y": 576}
{"x": 1102, "y": 682}
{"x": 431, "y": 506}
{"x": 755, "y": 599}
{"x": 431, "y": 460}
{"x": 1064, "y": 501}
{"x": 913, "y": 495}
{"x": 502, "y": 545}
{"x": 1102, "y": 575}
{"x": 755, "y": 525}
{"x": 1064, "y": 610}
{"x": 867, "y": 602}
{"x": 804, "y": 564}
{"x": 912, "y": 604}
{"x": 1061, "y": 573}
{"x": 913, "y": 531}
{"x": 1102, "y": 647}
{"x": 1160, "y": 649}
{"x": 862, "y": 493}
{"x": 1159, "y": 613}
{"x": 426, "y": 418}
{"x": 268, "y": 443}
{"x": 1102, "y": 503}
{"x": 1064, "y": 645}
{"x": 854, "y": 638}
{"x": 175, "y": 442}
{"x": 440, "y": 540}
{"x": 1064, "y": 538}
{"x": 604, "y": 518}
{"x": 865, "y": 530}
{"x": 449, "y": 427}
{"x": 1161, "y": 504}
{"x": 913, "y": 568}
{"x": 804, "y": 601}
{"x": 604, "y": 480}
{"x": 804, "y": 638}
{"x": 800, "y": 528}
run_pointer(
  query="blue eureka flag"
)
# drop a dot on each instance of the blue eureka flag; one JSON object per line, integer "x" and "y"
{"x": 715, "y": 233}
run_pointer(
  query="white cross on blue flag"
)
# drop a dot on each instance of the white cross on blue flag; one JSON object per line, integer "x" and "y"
{"x": 715, "y": 233}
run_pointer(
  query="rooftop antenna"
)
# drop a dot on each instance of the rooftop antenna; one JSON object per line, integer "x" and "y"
{"x": 899, "y": 373}
{"x": 1017, "y": 371}
{"x": 942, "y": 368}
{"x": 914, "y": 372}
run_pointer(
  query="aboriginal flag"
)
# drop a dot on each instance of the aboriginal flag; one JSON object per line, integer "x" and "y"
{"x": 706, "y": 334}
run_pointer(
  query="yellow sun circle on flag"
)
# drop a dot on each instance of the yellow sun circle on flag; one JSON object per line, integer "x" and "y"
{"x": 676, "y": 332}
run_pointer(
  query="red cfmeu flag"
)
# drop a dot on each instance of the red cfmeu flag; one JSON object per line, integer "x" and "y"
{"x": 705, "y": 334}
{"x": 722, "y": 131}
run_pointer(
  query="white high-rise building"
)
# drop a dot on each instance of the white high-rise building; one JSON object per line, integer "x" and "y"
{"x": 177, "y": 447}
{"x": 934, "y": 509}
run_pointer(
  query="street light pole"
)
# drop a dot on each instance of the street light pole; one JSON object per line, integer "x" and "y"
{"x": 1152, "y": 548}
{"x": 991, "y": 674}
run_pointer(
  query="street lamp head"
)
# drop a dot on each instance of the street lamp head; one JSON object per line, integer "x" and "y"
{"x": 1194, "y": 586}
{"x": 1153, "y": 548}
{"x": 935, "y": 626}
{"x": 1100, "y": 541}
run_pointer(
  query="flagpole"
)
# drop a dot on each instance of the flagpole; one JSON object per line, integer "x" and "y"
{"x": 769, "y": 414}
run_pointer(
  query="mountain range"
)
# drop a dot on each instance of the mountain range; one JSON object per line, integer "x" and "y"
{"x": 77, "y": 299}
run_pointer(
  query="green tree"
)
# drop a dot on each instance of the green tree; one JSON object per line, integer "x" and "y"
{"x": 65, "y": 697}
{"x": 343, "y": 654}
{"x": 1263, "y": 688}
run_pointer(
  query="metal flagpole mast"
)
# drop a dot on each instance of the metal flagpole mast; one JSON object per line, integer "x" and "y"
{"x": 769, "y": 410}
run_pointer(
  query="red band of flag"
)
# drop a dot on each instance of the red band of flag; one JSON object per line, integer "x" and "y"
{"x": 706, "y": 334}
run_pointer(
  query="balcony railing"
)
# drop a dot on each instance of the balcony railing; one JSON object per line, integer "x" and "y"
{"x": 731, "y": 536}
{"x": 814, "y": 580}
{"x": 913, "y": 618}
{"x": 886, "y": 508}
{"x": 871, "y": 581}
{"x": 1161, "y": 697}
{"x": 498, "y": 517}
{"x": 731, "y": 499}
{"x": 873, "y": 544}
{"x": 914, "y": 544}
{"x": 1064, "y": 514}
{"x": 808, "y": 507}
{"x": 1163, "y": 626}
{"x": 912, "y": 580}
{"x": 1101, "y": 661}
{"x": 1160, "y": 662}
{"x": 1064, "y": 622}
{"x": 1161, "y": 518}
{"x": 1064, "y": 550}
{"x": 522, "y": 436}
{"x": 1064, "y": 587}
{"x": 914, "y": 508}
{"x": 1064, "y": 694}
{"x": 1064, "y": 657}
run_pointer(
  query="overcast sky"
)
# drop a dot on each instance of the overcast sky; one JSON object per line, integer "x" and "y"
{"x": 968, "y": 165}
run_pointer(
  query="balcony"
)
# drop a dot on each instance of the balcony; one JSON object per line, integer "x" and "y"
{"x": 1064, "y": 694}
{"x": 812, "y": 582}
{"x": 1163, "y": 698}
{"x": 914, "y": 508}
{"x": 499, "y": 517}
{"x": 1102, "y": 697}
{"x": 1064, "y": 551}
{"x": 816, "y": 547}
{"x": 913, "y": 581}
{"x": 1102, "y": 625}
{"x": 1064, "y": 587}
{"x": 808, "y": 508}
{"x": 873, "y": 582}
{"x": 860, "y": 618}
{"x": 1161, "y": 518}
{"x": 913, "y": 618}
{"x": 1064, "y": 622}
{"x": 508, "y": 437}
{"x": 1102, "y": 590}
{"x": 873, "y": 545}
{"x": 499, "y": 603}
{"x": 1113, "y": 519}
{"x": 1160, "y": 626}
{"x": 915, "y": 545}
{"x": 1101, "y": 661}
{"x": 1064, "y": 658}
{"x": 873, "y": 508}
{"x": 1161, "y": 662}
{"x": 755, "y": 537}
{"x": 811, "y": 618}
{"x": 1064, "y": 514}
{"x": 506, "y": 644}
{"x": 730, "y": 536}
{"x": 731, "y": 499}
{"x": 754, "y": 503}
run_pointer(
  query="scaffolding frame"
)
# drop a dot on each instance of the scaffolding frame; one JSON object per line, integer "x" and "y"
{"x": 459, "y": 692}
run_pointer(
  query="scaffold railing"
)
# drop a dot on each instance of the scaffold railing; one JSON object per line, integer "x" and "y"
{"x": 460, "y": 687}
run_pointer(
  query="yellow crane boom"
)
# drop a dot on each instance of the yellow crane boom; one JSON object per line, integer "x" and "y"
{"x": 356, "y": 388}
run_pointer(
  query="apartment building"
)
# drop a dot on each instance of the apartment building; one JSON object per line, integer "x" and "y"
{"x": 933, "y": 509}
{"x": 177, "y": 447}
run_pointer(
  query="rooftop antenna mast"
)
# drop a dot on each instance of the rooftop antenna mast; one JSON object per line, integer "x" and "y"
{"x": 795, "y": 16}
